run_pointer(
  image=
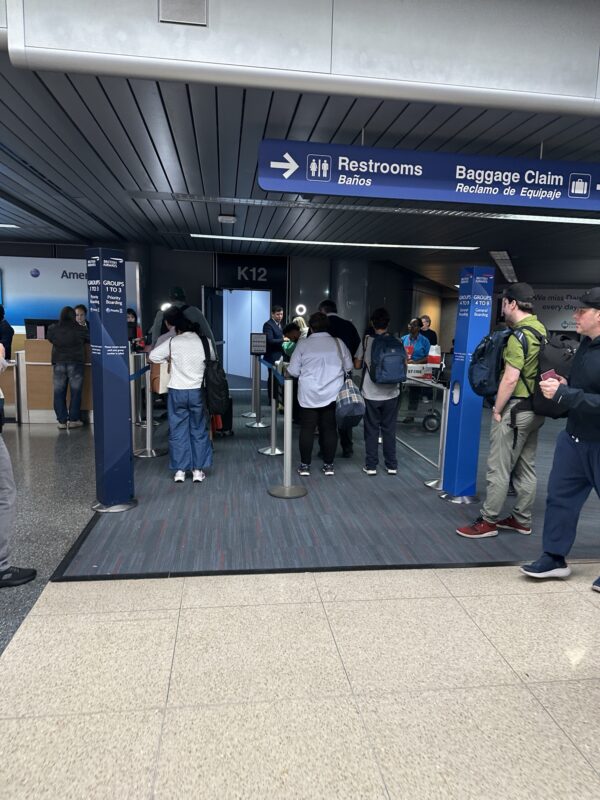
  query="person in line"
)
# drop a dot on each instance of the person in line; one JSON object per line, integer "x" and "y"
{"x": 291, "y": 335}
{"x": 193, "y": 313}
{"x": 576, "y": 466}
{"x": 417, "y": 349}
{"x": 426, "y": 330}
{"x": 6, "y": 334}
{"x": 81, "y": 316}
{"x": 274, "y": 332}
{"x": 320, "y": 363}
{"x": 342, "y": 329}
{"x": 301, "y": 323}
{"x": 190, "y": 448}
{"x": 513, "y": 436}
{"x": 134, "y": 332}
{"x": 381, "y": 403}
{"x": 9, "y": 575}
{"x": 68, "y": 339}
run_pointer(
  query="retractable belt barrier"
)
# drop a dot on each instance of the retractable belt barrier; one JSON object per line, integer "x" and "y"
{"x": 273, "y": 450}
{"x": 286, "y": 490}
{"x": 149, "y": 451}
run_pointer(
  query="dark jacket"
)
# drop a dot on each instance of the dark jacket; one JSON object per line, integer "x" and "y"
{"x": 274, "y": 340}
{"x": 68, "y": 342}
{"x": 431, "y": 335}
{"x": 6, "y": 336}
{"x": 343, "y": 329}
{"x": 582, "y": 395}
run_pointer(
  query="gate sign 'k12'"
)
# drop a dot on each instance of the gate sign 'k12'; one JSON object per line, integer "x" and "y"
{"x": 331, "y": 169}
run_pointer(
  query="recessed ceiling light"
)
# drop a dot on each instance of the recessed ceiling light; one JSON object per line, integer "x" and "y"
{"x": 6, "y": 225}
{"x": 227, "y": 219}
{"x": 317, "y": 243}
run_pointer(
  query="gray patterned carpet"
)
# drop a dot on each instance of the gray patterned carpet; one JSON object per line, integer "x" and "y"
{"x": 230, "y": 522}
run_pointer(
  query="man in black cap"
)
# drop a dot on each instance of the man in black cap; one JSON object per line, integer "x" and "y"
{"x": 576, "y": 467}
{"x": 193, "y": 313}
{"x": 513, "y": 436}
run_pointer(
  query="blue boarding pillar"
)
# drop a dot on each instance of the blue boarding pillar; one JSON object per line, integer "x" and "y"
{"x": 110, "y": 375}
{"x": 459, "y": 478}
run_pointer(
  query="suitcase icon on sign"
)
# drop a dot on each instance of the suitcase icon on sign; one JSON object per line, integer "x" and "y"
{"x": 579, "y": 185}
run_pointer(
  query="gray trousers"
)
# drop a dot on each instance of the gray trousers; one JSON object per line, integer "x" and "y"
{"x": 505, "y": 460}
{"x": 8, "y": 498}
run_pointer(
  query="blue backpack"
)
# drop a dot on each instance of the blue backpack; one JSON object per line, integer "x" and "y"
{"x": 388, "y": 360}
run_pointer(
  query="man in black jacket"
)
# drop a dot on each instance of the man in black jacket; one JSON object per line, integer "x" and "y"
{"x": 576, "y": 467}
{"x": 6, "y": 334}
{"x": 342, "y": 329}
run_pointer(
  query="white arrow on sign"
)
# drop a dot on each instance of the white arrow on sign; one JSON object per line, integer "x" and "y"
{"x": 289, "y": 165}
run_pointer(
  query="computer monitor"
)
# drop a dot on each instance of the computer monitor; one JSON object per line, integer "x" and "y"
{"x": 37, "y": 328}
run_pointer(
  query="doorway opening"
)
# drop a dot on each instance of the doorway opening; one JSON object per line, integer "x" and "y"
{"x": 244, "y": 312}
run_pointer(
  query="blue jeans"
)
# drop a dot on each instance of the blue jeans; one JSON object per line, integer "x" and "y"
{"x": 71, "y": 375}
{"x": 189, "y": 444}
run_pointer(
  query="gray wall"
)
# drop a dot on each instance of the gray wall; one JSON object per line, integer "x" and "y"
{"x": 528, "y": 54}
{"x": 310, "y": 282}
{"x": 390, "y": 287}
{"x": 349, "y": 281}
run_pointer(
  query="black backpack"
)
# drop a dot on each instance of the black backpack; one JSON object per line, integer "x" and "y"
{"x": 214, "y": 383}
{"x": 388, "y": 360}
{"x": 556, "y": 353}
{"x": 487, "y": 361}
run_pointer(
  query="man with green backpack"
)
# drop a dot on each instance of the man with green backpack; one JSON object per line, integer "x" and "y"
{"x": 515, "y": 426}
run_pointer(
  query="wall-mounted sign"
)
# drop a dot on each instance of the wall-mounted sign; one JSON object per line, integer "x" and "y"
{"x": 555, "y": 307}
{"x": 313, "y": 168}
{"x": 268, "y": 274}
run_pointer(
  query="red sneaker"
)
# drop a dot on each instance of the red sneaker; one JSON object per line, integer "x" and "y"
{"x": 480, "y": 529}
{"x": 511, "y": 524}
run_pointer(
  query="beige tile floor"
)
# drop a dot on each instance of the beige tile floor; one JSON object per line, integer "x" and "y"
{"x": 473, "y": 683}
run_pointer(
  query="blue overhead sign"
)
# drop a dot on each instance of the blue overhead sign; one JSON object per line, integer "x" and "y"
{"x": 313, "y": 168}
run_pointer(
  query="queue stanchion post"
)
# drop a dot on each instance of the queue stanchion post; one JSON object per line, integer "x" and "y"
{"x": 287, "y": 490}
{"x": 252, "y": 414}
{"x": 276, "y": 380}
{"x": 149, "y": 451}
{"x": 256, "y": 400}
{"x": 132, "y": 390}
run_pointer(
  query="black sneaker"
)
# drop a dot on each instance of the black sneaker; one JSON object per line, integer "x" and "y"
{"x": 547, "y": 566}
{"x": 304, "y": 470}
{"x": 15, "y": 576}
{"x": 327, "y": 469}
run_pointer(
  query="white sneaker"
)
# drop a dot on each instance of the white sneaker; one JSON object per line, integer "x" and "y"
{"x": 179, "y": 476}
{"x": 198, "y": 476}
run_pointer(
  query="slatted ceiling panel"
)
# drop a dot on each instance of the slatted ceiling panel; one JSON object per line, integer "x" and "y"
{"x": 73, "y": 146}
{"x": 334, "y": 113}
{"x": 94, "y": 94}
{"x": 149, "y": 101}
{"x": 552, "y": 133}
{"x": 357, "y": 118}
{"x": 203, "y": 101}
{"x": 571, "y": 137}
{"x": 430, "y": 121}
{"x": 585, "y": 148}
{"x": 381, "y": 120}
{"x": 92, "y": 129}
{"x": 122, "y": 99}
{"x": 530, "y": 132}
{"x": 451, "y": 129}
{"x": 176, "y": 104}
{"x": 307, "y": 116}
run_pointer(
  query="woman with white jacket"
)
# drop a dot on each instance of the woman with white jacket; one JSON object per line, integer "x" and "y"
{"x": 190, "y": 448}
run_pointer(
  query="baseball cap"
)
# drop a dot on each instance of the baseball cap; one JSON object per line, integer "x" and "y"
{"x": 177, "y": 293}
{"x": 521, "y": 292}
{"x": 589, "y": 299}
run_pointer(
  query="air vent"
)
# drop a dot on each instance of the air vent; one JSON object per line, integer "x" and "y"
{"x": 185, "y": 12}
